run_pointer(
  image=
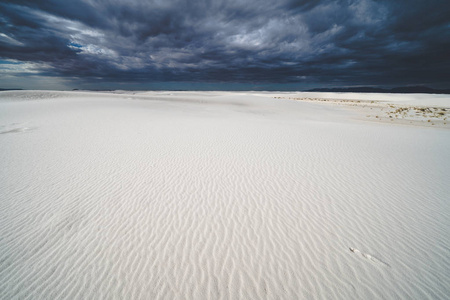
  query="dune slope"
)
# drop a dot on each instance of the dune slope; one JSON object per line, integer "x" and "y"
{"x": 217, "y": 196}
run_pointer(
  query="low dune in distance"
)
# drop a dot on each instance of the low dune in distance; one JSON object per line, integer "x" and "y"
{"x": 224, "y": 195}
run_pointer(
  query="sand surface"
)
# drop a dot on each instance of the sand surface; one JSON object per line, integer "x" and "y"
{"x": 221, "y": 195}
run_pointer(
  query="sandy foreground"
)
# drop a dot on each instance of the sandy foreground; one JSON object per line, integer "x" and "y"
{"x": 221, "y": 195}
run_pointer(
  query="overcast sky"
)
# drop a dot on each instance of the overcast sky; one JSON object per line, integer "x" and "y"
{"x": 223, "y": 44}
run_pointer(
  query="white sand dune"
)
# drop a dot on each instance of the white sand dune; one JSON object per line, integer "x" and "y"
{"x": 215, "y": 195}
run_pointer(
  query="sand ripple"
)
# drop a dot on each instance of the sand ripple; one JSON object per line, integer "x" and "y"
{"x": 160, "y": 199}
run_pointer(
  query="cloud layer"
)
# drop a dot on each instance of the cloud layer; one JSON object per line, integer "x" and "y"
{"x": 297, "y": 42}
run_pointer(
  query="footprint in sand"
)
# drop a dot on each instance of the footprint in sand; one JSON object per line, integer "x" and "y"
{"x": 369, "y": 257}
{"x": 13, "y": 129}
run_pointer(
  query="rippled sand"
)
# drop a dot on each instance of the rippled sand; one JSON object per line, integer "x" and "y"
{"x": 214, "y": 195}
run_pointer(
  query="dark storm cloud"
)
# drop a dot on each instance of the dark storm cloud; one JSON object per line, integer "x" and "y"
{"x": 340, "y": 42}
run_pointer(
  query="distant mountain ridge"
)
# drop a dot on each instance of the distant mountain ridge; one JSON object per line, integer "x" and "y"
{"x": 403, "y": 90}
{"x": 362, "y": 89}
